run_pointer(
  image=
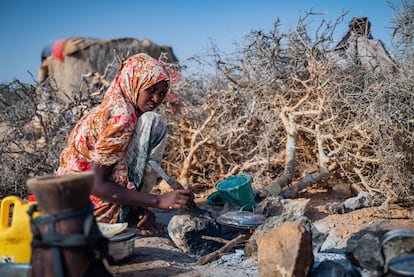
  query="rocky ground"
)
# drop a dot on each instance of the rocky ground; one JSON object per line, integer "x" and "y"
{"x": 158, "y": 256}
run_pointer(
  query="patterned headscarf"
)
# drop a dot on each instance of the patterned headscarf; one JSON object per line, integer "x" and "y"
{"x": 138, "y": 73}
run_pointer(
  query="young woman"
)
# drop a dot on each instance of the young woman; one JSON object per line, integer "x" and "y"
{"x": 117, "y": 138}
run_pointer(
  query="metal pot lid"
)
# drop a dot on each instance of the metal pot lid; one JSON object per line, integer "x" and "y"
{"x": 241, "y": 219}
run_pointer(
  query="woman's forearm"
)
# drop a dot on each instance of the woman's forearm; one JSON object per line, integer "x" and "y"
{"x": 113, "y": 193}
{"x": 105, "y": 189}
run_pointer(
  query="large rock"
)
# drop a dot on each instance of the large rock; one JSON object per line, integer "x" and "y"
{"x": 364, "y": 251}
{"x": 186, "y": 231}
{"x": 374, "y": 247}
{"x": 285, "y": 251}
{"x": 291, "y": 210}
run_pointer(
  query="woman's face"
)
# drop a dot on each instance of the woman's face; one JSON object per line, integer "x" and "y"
{"x": 152, "y": 97}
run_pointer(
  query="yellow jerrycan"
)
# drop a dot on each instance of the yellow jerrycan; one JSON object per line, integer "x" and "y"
{"x": 15, "y": 233}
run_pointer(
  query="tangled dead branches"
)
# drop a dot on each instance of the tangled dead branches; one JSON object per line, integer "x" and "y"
{"x": 279, "y": 109}
{"x": 21, "y": 138}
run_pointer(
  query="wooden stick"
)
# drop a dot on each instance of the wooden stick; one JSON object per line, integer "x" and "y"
{"x": 217, "y": 239}
{"x": 216, "y": 254}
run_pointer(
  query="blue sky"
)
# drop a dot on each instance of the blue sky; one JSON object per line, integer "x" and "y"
{"x": 189, "y": 26}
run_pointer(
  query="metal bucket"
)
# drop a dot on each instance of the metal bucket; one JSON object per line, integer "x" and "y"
{"x": 122, "y": 246}
{"x": 237, "y": 189}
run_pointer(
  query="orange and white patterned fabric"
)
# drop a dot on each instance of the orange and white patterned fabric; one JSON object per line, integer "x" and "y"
{"x": 103, "y": 134}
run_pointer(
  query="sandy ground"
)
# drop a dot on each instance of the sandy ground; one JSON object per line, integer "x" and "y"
{"x": 157, "y": 256}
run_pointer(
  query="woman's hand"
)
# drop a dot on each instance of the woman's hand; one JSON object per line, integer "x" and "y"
{"x": 177, "y": 199}
{"x": 146, "y": 219}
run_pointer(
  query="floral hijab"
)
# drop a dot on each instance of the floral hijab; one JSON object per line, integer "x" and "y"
{"x": 137, "y": 74}
{"x": 103, "y": 134}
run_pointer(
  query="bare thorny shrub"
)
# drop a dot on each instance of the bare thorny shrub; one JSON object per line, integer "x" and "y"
{"x": 21, "y": 158}
{"x": 277, "y": 109}
{"x": 35, "y": 127}
{"x": 281, "y": 111}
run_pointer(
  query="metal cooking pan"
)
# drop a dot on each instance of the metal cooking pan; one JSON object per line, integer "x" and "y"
{"x": 241, "y": 219}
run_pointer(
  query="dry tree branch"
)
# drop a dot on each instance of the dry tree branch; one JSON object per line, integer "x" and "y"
{"x": 287, "y": 116}
{"x": 364, "y": 182}
{"x": 225, "y": 248}
{"x": 193, "y": 148}
{"x": 254, "y": 162}
{"x": 313, "y": 178}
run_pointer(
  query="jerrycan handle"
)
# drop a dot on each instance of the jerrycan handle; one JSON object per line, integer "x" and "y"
{"x": 5, "y": 209}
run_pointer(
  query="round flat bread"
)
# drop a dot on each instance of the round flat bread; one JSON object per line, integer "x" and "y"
{"x": 110, "y": 230}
